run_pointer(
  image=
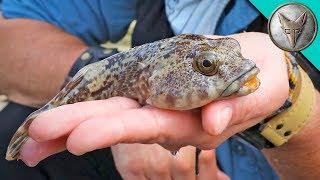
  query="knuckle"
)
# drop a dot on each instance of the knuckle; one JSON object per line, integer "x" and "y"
{"x": 160, "y": 168}
{"x": 158, "y": 135}
{"x": 183, "y": 167}
{"x": 206, "y": 157}
{"x": 133, "y": 167}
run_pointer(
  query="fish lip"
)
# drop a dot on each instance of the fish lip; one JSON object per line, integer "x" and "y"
{"x": 253, "y": 71}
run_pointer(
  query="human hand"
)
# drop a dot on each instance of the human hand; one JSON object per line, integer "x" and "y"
{"x": 86, "y": 126}
{"x": 140, "y": 161}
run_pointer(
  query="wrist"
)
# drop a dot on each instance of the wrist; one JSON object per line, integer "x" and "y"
{"x": 90, "y": 55}
{"x": 299, "y": 157}
{"x": 303, "y": 144}
{"x": 310, "y": 133}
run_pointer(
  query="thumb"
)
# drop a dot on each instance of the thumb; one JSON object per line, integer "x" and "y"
{"x": 208, "y": 168}
{"x": 217, "y": 116}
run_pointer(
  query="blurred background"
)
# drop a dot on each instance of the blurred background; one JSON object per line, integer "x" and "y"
{"x": 3, "y": 98}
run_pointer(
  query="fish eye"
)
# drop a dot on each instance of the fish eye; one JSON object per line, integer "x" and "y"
{"x": 206, "y": 65}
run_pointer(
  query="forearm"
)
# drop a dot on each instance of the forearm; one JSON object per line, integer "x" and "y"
{"x": 300, "y": 157}
{"x": 35, "y": 59}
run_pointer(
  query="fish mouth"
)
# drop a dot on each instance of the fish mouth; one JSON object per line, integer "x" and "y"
{"x": 244, "y": 84}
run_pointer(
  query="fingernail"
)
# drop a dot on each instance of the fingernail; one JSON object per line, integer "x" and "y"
{"x": 223, "y": 118}
{"x": 28, "y": 151}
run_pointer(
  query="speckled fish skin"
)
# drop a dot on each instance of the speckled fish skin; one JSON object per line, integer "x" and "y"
{"x": 160, "y": 74}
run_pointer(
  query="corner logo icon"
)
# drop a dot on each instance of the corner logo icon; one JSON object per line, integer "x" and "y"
{"x": 292, "y": 27}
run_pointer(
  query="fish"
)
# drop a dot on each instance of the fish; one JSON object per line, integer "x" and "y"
{"x": 180, "y": 73}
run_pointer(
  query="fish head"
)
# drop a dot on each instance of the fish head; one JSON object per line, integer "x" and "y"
{"x": 199, "y": 70}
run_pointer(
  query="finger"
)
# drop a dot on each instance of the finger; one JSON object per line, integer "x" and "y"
{"x": 207, "y": 165}
{"x": 183, "y": 164}
{"x": 130, "y": 162}
{"x": 217, "y": 116}
{"x": 158, "y": 166}
{"x": 145, "y": 125}
{"x": 208, "y": 168}
{"x": 60, "y": 121}
{"x": 33, "y": 152}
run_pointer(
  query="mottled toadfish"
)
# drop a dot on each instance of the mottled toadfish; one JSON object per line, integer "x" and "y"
{"x": 179, "y": 73}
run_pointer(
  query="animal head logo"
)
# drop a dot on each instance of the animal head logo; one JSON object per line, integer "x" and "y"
{"x": 292, "y": 28}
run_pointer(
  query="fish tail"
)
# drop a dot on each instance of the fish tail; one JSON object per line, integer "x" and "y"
{"x": 21, "y": 135}
{"x": 19, "y": 138}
